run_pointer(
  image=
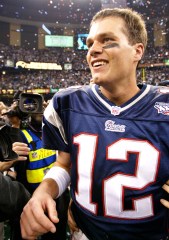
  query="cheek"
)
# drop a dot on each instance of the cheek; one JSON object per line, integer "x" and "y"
{"x": 88, "y": 58}
{"x": 119, "y": 59}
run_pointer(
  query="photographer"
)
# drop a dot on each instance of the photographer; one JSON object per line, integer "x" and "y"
{"x": 13, "y": 194}
{"x": 13, "y": 117}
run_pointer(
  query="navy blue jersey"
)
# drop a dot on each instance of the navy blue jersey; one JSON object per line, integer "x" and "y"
{"x": 119, "y": 157}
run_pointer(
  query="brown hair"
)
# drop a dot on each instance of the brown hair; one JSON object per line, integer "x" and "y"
{"x": 135, "y": 28}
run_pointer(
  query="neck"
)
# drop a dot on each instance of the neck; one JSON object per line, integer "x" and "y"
{"x": 119, "y": 95}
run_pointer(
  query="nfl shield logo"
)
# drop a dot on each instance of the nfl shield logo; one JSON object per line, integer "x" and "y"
{"x": 162, "y": 108}
{"x": 34, "y": 155}
{"x": 115, "y": 110}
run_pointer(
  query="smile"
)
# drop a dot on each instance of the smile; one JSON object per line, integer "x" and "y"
{"x": 99, "y": 63}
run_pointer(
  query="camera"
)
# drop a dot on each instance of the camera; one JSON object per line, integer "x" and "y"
{"x": 26, "y": 104}
{"x": 31, "y": 103}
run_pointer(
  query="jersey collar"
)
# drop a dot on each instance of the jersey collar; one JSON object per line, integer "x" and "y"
{"x": 116, "y": 110}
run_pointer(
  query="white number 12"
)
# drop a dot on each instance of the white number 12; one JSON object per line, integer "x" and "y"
{"x": 114, "y": 186}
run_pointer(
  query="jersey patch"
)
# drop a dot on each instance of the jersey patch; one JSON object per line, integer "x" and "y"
{"x": 162, "y": 108}
{"x": 164, "y": 90}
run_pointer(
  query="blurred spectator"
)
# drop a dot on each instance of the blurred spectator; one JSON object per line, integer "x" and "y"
{"x": 3, "y": 107}
{"x": 13, "y": 118}
{"x": 13, "y": 194}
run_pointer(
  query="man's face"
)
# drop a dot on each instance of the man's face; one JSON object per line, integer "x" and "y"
{"x": 113, "y": 64}
{"x": 37, "y": 117}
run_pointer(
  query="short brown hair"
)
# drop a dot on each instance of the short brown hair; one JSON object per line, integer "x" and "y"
{"x": 134, "y": 23}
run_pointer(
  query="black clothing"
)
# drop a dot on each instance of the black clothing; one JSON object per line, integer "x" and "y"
{"x": 13, "y": 197}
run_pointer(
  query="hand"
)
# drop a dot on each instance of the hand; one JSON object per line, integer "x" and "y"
{"x": 71, "y": 222}
{"x": 166, "y": 188}
{"x": 38, "y": 216}
{"x": 4, "y": 166}
{"x": 11, "y": 174}
{"x": 21, "y": 149}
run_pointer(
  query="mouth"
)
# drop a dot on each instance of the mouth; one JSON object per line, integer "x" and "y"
{"x": 98, "y": 63}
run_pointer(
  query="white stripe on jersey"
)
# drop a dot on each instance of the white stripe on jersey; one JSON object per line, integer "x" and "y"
{"x": 52, "y": 117}
{"x": 123, "y": 108}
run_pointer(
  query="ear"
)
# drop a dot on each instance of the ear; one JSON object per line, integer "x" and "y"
{"x": 139, "y": 50}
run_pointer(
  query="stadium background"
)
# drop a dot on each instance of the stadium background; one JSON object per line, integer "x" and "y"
{"x": 24, "y": 25}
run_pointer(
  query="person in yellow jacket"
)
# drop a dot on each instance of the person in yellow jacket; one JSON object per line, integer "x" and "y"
{"x": 39, "y": 161}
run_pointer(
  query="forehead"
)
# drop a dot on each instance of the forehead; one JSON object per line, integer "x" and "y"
{"x": 114, "y": 25}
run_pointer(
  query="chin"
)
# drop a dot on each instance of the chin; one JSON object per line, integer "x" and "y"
{"x": 97, "y": 80}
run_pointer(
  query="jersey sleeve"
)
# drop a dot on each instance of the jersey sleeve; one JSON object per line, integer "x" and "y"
{"x": 53, "y": 133}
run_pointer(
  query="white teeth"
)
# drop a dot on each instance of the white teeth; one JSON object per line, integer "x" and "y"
{"x": 99, "y": 63}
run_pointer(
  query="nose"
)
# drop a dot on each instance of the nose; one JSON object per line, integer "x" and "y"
{"x": 96, "y": 48}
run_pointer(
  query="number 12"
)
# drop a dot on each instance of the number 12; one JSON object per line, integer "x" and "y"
{"x": 114, "y": 186}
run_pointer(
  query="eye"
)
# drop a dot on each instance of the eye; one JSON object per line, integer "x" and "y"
{"x": 89, "y": 45}
{"x": 107, "y": 40}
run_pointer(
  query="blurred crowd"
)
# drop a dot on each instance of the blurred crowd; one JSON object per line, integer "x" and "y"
{"x": 79, "y": 74}
{"x": 17, "y": 79}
